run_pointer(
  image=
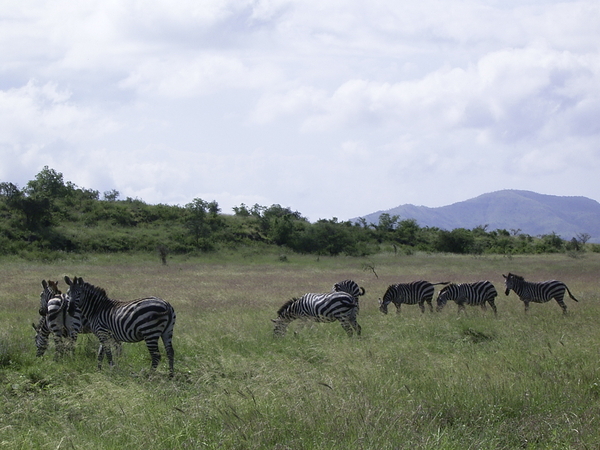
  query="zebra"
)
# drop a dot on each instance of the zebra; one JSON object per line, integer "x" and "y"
{"x": 53, "y": 312}
{"x": 415, "y": 292}
{"x": 473, "y": 294}
{"x": 537, "y": 292}
{"x": 350, "y": 287}
{"x": 146, "y": 319}
{"x": 328, "y": 307}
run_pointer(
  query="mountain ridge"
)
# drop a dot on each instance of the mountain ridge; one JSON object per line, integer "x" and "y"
{"x": 529, "y": 212}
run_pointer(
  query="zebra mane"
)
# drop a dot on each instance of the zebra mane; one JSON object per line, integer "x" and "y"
{"x": 447, "y": 287}
{"x": 96, "y": 291}
{"x": 286, "y": 305}
{"x": 517, "y": 277}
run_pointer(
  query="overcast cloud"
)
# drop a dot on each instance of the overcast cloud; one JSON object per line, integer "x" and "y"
{"x": 334, "y": 109}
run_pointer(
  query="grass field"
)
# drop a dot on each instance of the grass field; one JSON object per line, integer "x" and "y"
{"x": 412, "y": 381}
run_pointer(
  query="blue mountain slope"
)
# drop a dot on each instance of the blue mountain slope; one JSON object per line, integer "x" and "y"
{"x": 531, "y": 213}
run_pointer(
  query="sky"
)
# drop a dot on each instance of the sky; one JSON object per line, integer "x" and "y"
{"x": 335, "y": 109}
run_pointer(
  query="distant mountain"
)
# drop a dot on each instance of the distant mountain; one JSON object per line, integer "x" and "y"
{"x": 531, "y": 213}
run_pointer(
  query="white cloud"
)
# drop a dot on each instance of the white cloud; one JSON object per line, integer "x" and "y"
{"x": 265, "y": 99}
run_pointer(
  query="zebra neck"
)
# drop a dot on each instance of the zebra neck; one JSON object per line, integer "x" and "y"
{"x": 92, "y": 303}
{"x": 291, "y": 311}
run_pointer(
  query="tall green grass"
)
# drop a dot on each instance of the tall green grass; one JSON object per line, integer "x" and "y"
{"x": 419, "y": 381}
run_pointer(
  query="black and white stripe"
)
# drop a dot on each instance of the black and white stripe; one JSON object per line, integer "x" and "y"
{"x": 340, "y": 306}
{"x": 537, "y": 292}
{"x": 413, "y": 293}
{"x": 471, "y": 294}
{"x": 350, "y": 287}
{"x": 145, "y": 319}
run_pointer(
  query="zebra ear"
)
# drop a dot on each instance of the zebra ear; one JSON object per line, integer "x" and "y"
{"x": 504, "y": 276}
{"x": 67, "y": 280}
{"x": 44, "y": 284}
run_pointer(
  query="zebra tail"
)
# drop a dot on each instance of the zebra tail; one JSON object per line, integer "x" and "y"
{"x": 570, "y": 295}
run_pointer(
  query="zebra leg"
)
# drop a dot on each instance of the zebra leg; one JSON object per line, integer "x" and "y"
{"x": 58, "y": 347}
{"x": 41, "y": 338}
{"x": 493, "y": 305}
{"x": 104, "y": 349}
{"x": 152, "y": 344}
{"x": 430, "y": 305}
{"x": 100, "y": 355}
{"x": 357, "y": 327}
{"x": 167, "y": 339}
{"x": 562, "y": 304}
{"x": 526, "y": 305}
{"x": 70, "y": 345}
{"x": 422, "y": 306}
{"x": 397, "y": 305}
{"x": 350, "y": 325}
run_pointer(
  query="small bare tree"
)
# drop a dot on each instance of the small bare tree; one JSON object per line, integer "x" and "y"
{"x": 583, "y": 237}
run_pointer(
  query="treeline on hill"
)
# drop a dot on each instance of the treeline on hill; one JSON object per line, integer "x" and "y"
{"x": 50, "y": 215}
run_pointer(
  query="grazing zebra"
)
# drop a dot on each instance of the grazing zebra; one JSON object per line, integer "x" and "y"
{"x": 146, "y": 319}
{"x": 472, "y": 294}
{"x": 350, "y": 287}
{"x": 537, "y": 292}
{"x": 415, "y": 292}
{"x": 320, "y": 308}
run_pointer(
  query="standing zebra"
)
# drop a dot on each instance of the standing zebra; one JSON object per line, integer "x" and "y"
{"x": 146, "y": 319}
{"x": 328, "y": 307}
{"x": 415, "y": 292}
{"x": 472, "y": 294}
{"x": 537, "y": 292}
{"x": 53, "y": 319}
{"x": 59, "y": 319}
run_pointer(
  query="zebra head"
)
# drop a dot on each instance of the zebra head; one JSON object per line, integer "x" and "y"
{"x": 511, "y": 280}
{"x": 387, "y": 298}
{"x": 280, "y": 327}
{"x": 50, "y": 289}
{"x": 383, "y": 307}
{"x": 283, "y": 318}
{"x": 75, "y": 292}
{"x": 444, "y": 296}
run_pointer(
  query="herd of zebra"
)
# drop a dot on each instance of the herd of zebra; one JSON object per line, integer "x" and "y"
{"x": 87, "y": 309}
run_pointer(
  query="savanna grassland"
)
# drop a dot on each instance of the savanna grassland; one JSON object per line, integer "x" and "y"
{"x": 418, "y": 381}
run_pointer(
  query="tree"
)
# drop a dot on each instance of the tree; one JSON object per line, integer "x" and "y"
{"x": 407, "y": 232}
{"x": 112, "y": 195}
{"x": 459, "y": 240}
{"x": 583, "y": 237}
{"x": 196, "y": 219}
{"x": 48, "y": 183}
